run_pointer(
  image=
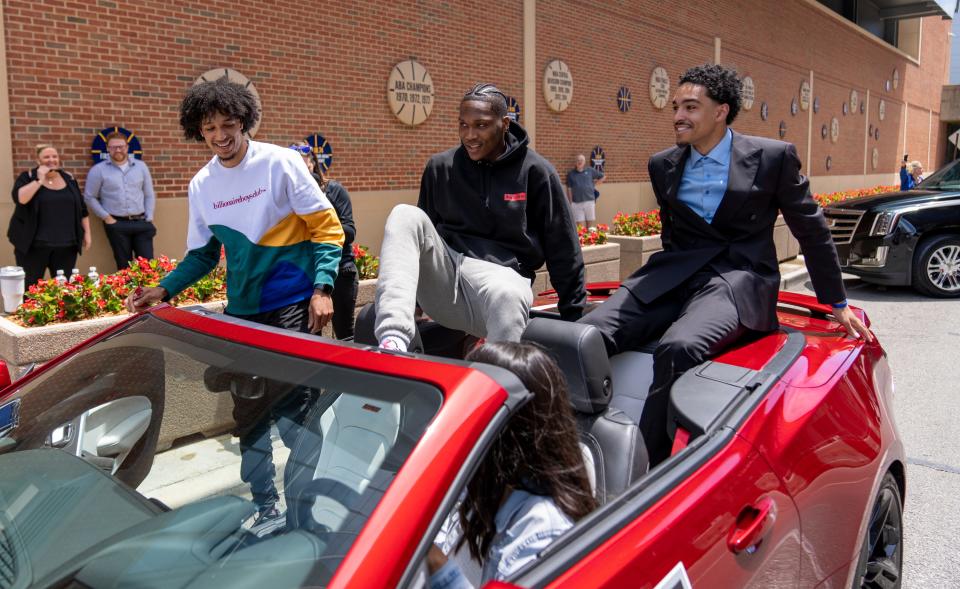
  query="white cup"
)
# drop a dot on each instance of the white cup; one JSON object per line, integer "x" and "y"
{"x": 11, "y": 287}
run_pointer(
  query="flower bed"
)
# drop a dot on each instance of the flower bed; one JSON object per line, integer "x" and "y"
{"x": 638, "y": 224}
{"x": 593, "y": 236}
{"x": 829, "y": 198}
{"x": 81, "y": 298}
{"x": 368, "y": 265}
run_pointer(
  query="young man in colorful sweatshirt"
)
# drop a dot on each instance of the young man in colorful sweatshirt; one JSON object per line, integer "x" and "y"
{"x": 282, "y": 241}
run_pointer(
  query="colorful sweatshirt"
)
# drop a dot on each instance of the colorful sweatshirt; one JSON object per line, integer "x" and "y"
{"x": 280, "y": 233}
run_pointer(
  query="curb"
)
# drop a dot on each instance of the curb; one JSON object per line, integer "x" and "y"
{"x": 796, "y": 277}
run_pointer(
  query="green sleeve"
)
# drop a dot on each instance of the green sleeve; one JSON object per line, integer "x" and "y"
{"x": 197, "y": 264}
{"x": 326, "y": 262}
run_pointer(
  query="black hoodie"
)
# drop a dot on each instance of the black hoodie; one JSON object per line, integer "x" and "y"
{"x": 511, "y": 212}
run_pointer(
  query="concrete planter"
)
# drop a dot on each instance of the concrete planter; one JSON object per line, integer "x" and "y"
{"x": 601, "y": 262}
{"x": 635, "y": 251}
{"x": 187, "y": 411}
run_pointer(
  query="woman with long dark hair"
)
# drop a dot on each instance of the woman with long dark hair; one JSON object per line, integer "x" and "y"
{"x": 49, "y": 226}
{"x": 348, "y": 282}
{"x": 532, "y": 485}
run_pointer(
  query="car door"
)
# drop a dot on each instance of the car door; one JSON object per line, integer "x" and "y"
{"x": 718, "y": 518}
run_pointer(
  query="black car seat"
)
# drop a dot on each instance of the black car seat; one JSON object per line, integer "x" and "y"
{"x": 611, "y": 439}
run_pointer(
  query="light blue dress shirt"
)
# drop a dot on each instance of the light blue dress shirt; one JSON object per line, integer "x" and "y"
{"x": 704, "y": 180}
{"x": 112, "y": 190}
{"x": 525, "y": 524}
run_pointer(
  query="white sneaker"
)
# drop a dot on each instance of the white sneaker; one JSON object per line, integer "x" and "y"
{"x": 393, "y": 343}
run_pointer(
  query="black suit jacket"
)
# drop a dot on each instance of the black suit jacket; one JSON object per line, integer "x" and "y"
{"x": 738, "y": 245}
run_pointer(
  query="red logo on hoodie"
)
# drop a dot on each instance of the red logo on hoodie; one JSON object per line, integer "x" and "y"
{"x": 515, "y": 197}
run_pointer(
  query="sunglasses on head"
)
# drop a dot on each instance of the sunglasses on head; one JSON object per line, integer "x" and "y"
{"x": 302, "y": 149}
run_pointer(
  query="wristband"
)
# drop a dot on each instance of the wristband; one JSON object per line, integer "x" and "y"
{"x": 839, "y": 305}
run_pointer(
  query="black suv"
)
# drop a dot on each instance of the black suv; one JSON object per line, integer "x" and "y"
{"x": 904, "y": 238}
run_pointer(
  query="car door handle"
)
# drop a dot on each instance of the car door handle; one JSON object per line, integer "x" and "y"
{"x": 752, "y": 525}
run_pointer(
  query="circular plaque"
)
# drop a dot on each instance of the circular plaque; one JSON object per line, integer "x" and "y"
{"x": 749, "y": 93}
{"x": 834, "y": 130}
{"x": 783, "y": 129}
{"x": 598, "y": 158}
{"x": 824, "y": 131}
{"x": 804, "y": 95}
{"x": 557, "y": 86}
{"x": 764, "y": 110}
{"x": 845, "y": 109}
{"x": 513, "y": 109}
{"x": 816, "y": 104}
{"x": 98, "y": 150}
{"x": 623, "y": 99}
{"x": 410, "y": 92}
{"x": 854, "y": 101}
{"x": 882, "y": 109}
{"x": 886, "y": 85}
{"x": 659, "y": 87}
{"x": 794, "y": 107}
{"x": 875, "y": 158}
{"x": 236, "y": 77}
{"x": 322, "y": 149}
{"x": 829, "y": 162}
{"x": 896, "y": 78}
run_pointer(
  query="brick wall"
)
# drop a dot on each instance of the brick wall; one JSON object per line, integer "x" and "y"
{"x": 75, "y": 67}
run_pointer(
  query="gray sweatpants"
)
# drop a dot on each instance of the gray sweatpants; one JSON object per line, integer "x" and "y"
{"x": 481, "y": 298}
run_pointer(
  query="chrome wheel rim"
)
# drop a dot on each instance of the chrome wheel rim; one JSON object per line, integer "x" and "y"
{"x": 943, "y": 268}
{"x": 884, "y": 536}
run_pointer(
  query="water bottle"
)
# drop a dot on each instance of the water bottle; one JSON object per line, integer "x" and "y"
{"x": 94, "y": 276}
{"x": 74, "y": 275}
{"x": 60, "y": 278}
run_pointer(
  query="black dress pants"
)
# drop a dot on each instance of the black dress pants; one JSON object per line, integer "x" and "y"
{"x": 345, "y": 300}
{"x": 41, "y": 258}
{"x": 694, "y": 321}
{"x": 129, "y": 239}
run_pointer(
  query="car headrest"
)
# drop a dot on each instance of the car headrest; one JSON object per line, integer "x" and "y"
{"x": 579, "y": 350}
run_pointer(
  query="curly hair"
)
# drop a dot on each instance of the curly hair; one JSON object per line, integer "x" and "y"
{"x": 722, "y": 84}
{"x": 220, "y": 95}
{"x": 486, "y": 92}
{"x": 538, "y": 451}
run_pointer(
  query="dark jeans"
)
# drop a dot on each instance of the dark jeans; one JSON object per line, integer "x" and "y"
{"x": 345, "y": 301}
{"x": 41, "y": 258}
{"x": 696, "y": 320}
{"x": 284, "y": 405}
{"x": 130, "y": 239}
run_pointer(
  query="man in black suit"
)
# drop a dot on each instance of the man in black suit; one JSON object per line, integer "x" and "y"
{"x": 717, "y": 279}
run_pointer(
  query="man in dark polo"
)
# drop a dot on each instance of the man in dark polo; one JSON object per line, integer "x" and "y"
{"x": 119, "y": 190}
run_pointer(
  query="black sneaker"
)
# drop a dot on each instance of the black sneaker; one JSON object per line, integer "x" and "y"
{"x": 269, "y": 520}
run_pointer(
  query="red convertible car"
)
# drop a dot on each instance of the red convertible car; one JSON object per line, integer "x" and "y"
{"x": 787, "y": 468}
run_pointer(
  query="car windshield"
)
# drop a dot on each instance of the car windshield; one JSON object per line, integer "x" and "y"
{"x": 267, "y": 466}
{"x": 946, "y": 178}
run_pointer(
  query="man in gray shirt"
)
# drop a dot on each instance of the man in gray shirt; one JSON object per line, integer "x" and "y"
{"x": 120, "y": 191}
{"x": 581, "y": 192}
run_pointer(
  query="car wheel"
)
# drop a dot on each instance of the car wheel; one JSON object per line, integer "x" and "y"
{"x": 881, "y": 554}
{"x": 936, "y": 269}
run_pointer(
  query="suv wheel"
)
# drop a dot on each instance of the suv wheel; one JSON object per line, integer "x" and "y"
{"x": 936, "y": 268}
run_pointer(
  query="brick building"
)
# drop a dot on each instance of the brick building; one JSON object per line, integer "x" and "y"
{"x": 74, "y": 67}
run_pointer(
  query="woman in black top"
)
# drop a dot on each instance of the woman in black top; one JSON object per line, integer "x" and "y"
{"x": 49, "y": 226}
{"x": 347, "y": 283}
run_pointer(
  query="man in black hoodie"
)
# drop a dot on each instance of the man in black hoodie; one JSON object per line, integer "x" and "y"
{"x": 491, "y": 211}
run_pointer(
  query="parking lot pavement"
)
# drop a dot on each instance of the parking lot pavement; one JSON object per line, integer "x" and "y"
{"x": 204, "y": 469}
{"x": 921, "y": 336}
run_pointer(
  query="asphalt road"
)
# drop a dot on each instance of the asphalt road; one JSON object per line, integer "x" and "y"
{"x": 922, "y": 338}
